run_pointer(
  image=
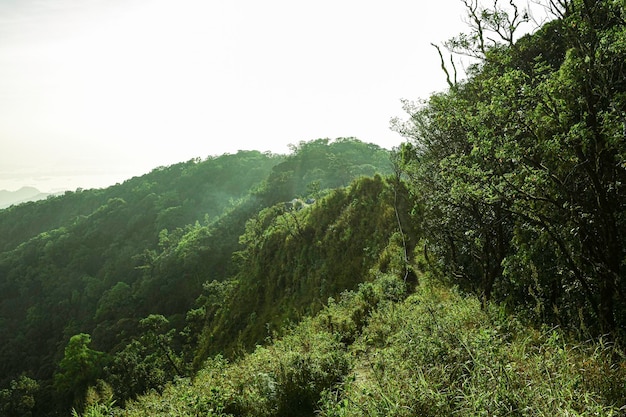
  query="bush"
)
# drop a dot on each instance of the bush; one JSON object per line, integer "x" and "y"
{"x": 435, "y": 353}
{"x": 288, "y": 377}
{"x": 438, "y": 353}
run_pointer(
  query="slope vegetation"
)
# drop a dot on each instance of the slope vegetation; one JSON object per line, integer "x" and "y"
{"x": 117, "y": 276}
{"x": 377, "y": 351}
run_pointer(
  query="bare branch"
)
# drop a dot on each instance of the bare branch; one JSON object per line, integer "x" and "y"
{"x": 546, "y": 6}
{"x": 559, "y": 8}
{"x": 454, "y": 68}
{"x": 444, "y": 68}
{"x": 476, "y": 23}
{"x": 489, "y": 27}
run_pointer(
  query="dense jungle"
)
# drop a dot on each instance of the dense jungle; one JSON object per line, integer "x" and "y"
{"x": 477, "y": 269}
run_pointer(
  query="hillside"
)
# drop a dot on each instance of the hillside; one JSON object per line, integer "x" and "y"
{"x": 386, "y": 350}
{"x": 99, "y": 262}
{"x": 479, "y": 269}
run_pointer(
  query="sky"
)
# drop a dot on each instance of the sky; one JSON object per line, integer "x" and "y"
{"x": 93, "y": 92}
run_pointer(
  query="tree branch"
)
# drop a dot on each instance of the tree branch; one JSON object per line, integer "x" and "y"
{"x": 444, "y": 68}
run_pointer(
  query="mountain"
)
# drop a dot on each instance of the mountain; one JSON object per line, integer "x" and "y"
{"x": 392, "y": 349}
{"x": 122, "y": 264}
{"x": 479, "y": 269}
{"x": 24, "y": 194}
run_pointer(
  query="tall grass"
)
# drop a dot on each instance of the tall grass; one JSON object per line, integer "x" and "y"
{"x": 377, "y": 352}
{"x": 439, "y": 354}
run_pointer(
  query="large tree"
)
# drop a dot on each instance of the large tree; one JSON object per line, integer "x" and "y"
{"x": 522, "y": 164}
{"x": 80, "y": 368}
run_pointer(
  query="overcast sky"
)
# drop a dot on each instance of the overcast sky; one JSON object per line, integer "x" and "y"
{"x": 93, "y": 92}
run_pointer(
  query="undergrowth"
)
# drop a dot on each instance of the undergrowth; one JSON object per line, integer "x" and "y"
{"x": 439, "y": 354}
{"x": 380, "y": 352}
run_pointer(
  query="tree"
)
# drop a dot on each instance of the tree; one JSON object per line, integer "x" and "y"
{"x": 521, "y": 166}
{"x": 147, "y": 362}
{"x": 79, "y": 368}
{"x": 19, "y": 399}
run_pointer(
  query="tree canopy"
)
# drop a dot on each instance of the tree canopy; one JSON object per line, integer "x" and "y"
{"x": 521, "y": 167}
{"x": 475, "y": 269}
{"x": 108, "y": 264}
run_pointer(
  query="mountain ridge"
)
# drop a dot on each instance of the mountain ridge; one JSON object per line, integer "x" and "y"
{"x": 114, "y": 267}
{"x": 22, "y": 195}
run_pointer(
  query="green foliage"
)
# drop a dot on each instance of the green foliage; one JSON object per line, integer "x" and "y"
{"x": 378, "y": 351}
{"x": 148, "y": 362}
{"x": 19, "y": 399}
{"x": 98, "y": 401}
{"x": 439, "y": 353}
{"x": 79, "y": 262}
{"x": 79, "y": 368}
{"x": 323, "y": 164}
{"x": 284, "y": 379}
{"x": 294, "y": 259}
{"x": 114, "y": 301}
{"x": 288, "y": 377}
{"x": 99, "y": 261}
{"x": 511, "y": 183}
{"x": 519, "y": 170}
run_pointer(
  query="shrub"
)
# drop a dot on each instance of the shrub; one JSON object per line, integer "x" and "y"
{"x": 438, "y": 353}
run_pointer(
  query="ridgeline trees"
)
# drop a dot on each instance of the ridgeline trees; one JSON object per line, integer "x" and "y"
{"x": 294, "y": 259}
{"x": 521, "y": 167}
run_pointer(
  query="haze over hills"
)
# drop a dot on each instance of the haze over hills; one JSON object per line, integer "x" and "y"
{"x": 142, "y": 83}
{"x": 24, "y": 194}
{"x": 478, "y": 269}
{"x": 52, "y": 179}
{"x": 99, "y": 261}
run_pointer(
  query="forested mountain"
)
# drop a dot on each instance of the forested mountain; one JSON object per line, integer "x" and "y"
{"x": 294, "y": 259}
{"x": 479, "y": 269}
{"x": 98, "y": 262}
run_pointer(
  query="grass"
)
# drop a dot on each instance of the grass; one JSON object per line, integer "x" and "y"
{"x": 379, "y": 352}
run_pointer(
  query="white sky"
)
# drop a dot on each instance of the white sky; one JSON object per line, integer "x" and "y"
{"x": 93, "y": 92}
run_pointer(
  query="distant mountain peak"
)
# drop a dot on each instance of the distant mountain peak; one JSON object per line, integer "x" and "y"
{"x": 23, "y": 195}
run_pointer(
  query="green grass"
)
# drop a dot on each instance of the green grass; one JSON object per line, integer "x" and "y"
{"x": 378, "y": 352}
{"x": 439, "y": 354}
